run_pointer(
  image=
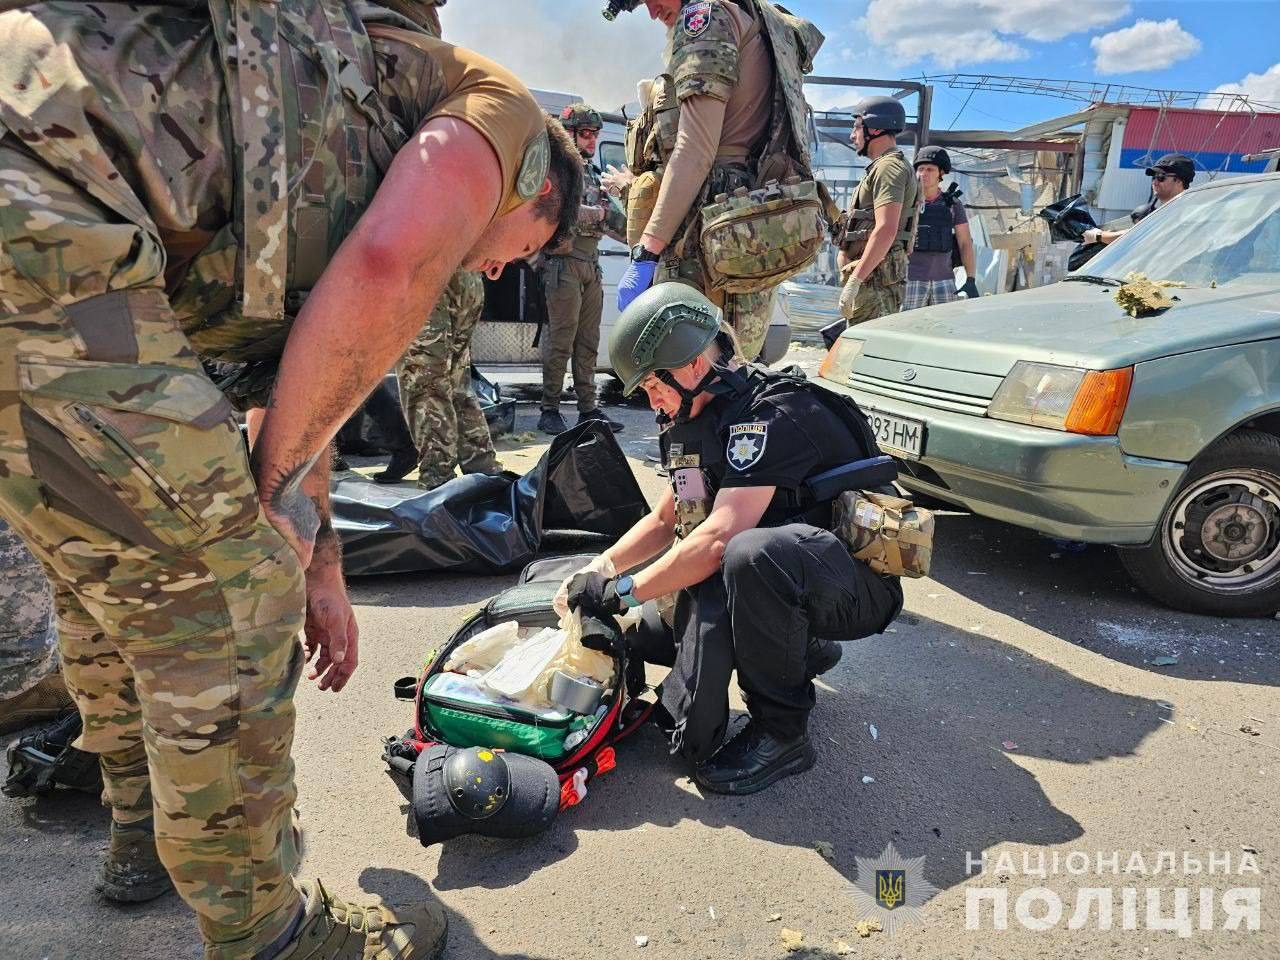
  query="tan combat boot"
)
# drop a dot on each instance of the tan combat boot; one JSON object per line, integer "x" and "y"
{"x": 47, "y": 700}
{"x": 132, "y": 872}
{"x": 331, "y": 929}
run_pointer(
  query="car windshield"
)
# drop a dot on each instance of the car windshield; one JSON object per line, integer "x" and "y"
{"x": 1219, "y": 236}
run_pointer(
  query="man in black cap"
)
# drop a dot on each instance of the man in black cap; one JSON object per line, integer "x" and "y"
{"x": 1170, "y": 175}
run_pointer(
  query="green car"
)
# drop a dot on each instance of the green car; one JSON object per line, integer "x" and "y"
{"x": 1055, "y": 410}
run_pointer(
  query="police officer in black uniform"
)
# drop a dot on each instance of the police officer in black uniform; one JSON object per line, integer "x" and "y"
{"x": 747, "y": 575}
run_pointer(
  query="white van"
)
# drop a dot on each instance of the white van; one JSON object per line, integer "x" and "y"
{"x": 515, "y": 311}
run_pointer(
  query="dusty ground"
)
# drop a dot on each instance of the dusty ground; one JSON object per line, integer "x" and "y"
{"x": 1017, "y": 708}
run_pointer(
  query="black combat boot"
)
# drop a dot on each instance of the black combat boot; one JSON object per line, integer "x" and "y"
{"x": 822, "y": 655}
{"x": 403, "y": 462}
{"x": 551, "y": 422}
{"x": 598, "y": 414}
{"x": 753, "y": 759}
{"x": 132, "y": 872}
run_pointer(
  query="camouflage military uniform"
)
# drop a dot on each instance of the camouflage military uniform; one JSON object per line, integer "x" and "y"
{"x": 28, "y": 641}
{"x": 444, "y": 416}
{"x": 128, "y": 242}
{"x": 573, "y": 285}
{"x": 888, "y": 178}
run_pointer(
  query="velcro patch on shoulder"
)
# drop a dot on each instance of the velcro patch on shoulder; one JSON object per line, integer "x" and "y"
{"x": 695, "y": 18}
{"x": 746, "y": 444}
{"x": 534, "y": 166}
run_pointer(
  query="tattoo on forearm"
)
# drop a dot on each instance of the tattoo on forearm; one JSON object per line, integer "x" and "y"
{"x": 286, "y": 498}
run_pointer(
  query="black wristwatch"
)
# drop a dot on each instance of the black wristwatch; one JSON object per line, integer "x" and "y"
{"x": 640, "y": 253}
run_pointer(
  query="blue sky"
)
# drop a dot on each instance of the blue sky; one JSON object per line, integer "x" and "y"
{"x": 566, "y": 45}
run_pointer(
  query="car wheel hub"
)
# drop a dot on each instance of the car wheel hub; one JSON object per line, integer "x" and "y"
{"x": 1224, "y": 531}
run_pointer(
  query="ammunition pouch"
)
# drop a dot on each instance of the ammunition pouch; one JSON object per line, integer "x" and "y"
{"x": 890, "y": 534}
{"x": 754, "y": 239}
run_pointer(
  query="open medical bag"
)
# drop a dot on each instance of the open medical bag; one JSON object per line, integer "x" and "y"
{"x": 453, "y": 714}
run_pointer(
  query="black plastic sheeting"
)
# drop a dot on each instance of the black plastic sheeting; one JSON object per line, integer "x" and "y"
{"x": 1068, "y": 220}
{"x": 488, "y": 525}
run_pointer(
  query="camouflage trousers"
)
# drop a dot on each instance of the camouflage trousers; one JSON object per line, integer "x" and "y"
{"x": 443, "y": 414}
{"x": 575, "y": 303}
{"x": 883, "y": 291}
{"x": 28, "y": 641}
{"x": 747, "y": 313}
{"x": 179, "y": 607}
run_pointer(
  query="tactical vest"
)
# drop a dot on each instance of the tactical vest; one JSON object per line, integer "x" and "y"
{"x": 313, "y": 140}
{"x": 936, "y": 226}
{"x": 854, "y": 227}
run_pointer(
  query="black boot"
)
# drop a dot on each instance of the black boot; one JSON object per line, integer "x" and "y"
{"x": 752, "y": 760}
{"x": 598, "y": 414}
{"x": 551, "y": 422}
{"x": 403, "y": 462}
{"x": 822, "y": 655}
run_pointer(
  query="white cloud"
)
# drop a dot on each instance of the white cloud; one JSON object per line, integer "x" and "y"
{"x": 561, "y": 45}
{"x": 1147, "y": 45}
{"x": 1258, "y": 86}
{"x": 955, "y": 32}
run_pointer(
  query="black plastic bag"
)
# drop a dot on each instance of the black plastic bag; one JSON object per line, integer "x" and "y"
{"x": 1083, "y": 253}
{"x": 1068, "y": 218}
{"x": 488, "y": 525}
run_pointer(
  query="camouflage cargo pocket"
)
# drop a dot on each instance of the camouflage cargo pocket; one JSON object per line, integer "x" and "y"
{"x": 158, "y": 440}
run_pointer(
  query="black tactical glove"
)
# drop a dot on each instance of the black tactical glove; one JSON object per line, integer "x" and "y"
{"x": 970, "y": 289}
{"x": 595, "y": 595}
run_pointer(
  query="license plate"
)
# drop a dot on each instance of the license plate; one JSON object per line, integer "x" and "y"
{"x": 900, "y": 435}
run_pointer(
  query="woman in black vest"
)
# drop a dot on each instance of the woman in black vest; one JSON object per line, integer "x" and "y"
{"x": 943, "y": 241}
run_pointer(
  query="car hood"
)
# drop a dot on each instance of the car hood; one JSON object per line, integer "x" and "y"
{"x": 1071, "y": 323}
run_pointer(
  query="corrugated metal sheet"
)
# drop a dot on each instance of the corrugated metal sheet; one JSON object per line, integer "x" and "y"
{"x": 1215, "y": 140}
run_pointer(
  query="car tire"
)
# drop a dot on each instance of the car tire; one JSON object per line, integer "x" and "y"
{"x": 1217, "y": 547}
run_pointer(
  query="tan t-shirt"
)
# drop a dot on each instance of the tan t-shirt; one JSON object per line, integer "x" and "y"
{"x": 889, "y": 179}
{"x": 711, "y": 126}
{"x": 481, "y": 93}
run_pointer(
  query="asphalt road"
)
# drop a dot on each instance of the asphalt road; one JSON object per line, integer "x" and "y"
{"x": 1018, "y": 709}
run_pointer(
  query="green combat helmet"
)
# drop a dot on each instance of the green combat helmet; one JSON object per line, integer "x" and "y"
{"x": 579, "y": 116}
{"x": 664, "y": 328}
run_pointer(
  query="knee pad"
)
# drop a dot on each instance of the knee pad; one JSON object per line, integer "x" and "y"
{"x": 476, "y": 790}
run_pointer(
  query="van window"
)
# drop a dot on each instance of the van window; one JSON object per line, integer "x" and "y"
{"x": 611, "y": 152}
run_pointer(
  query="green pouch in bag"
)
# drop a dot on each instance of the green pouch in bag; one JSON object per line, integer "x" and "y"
{"x": 462, "y": 715}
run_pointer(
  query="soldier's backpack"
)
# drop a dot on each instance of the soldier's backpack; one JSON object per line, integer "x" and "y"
{"x": 578, "y": 749}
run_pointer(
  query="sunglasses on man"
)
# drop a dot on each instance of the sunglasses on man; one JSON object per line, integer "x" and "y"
{"x": 1162, "y": 177}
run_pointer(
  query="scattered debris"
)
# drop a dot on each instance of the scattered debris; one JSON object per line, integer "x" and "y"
{"x": 825, "y": 849}
{"x": 1141, "y": 296}
{"x": 1164, "y": 703}
{"x": 868, "y": 779}
{"x": 1008, "y": 745}
{"x": 842, "y": 949}
{"x": 1165, "y": 662}
{"x": 983, "y": 573}
{"x": 866, "y": 928}
{"x": 711, "y": 912}
{"x": 1055, "y": 556}
{"x": 773, "y": 918}
{"x": 642, "y": 941}
{"x": 875, "y": 734}
{"x": 792, "y": 940}
{"x": 1248, "y": 849}
{"x": 1245, "y": 728}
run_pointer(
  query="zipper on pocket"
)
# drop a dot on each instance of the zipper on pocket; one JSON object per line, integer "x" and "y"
{"x": 162, "y": 487}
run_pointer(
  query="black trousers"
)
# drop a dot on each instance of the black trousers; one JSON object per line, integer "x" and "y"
{"x": 777, "y": 587}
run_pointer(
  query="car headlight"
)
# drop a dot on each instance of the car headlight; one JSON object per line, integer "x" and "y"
{"x": 839, "y": 361}
{"x": 1089, "y": 402}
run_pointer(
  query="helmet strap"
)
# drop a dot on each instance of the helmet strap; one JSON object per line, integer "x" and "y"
{"x": 866, "y": 139}
{"x": 719, "y": 379}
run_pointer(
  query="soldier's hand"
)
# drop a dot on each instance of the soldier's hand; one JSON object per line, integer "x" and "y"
{"x": 332, "y": 636}
{"x": 849, "y": 295}
{"x": 616, "y": 181}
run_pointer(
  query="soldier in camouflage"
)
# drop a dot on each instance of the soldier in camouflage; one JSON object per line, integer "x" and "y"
{"x": 445, "y": 418}
{"x": 879, "y": 228}
{"x": 31, "y": 686}
{"x": 156, "y": 209}
{"x": 573, "y": 285}
{"x": 444, "y": 415}
{"x": 731, "y": 91}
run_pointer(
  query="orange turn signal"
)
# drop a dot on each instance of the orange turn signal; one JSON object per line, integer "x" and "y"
{"x": 1099, "y": 403}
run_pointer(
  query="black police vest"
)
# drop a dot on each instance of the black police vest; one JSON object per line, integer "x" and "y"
{"x": 693, "y": 454}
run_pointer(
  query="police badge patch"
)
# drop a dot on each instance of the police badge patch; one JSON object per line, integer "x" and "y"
{"x": 697, "y": 16}
{"x": 534, "y": 166}
{"x": 746, "y": 444}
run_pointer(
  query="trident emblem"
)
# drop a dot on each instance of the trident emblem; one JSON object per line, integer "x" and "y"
{"x": 890, "y": 888}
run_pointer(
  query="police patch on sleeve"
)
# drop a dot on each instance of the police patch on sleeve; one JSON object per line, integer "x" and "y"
{"x": 697, "y": 17}
{"x": 746, "y": 444}
{"x": 534, "y": 166}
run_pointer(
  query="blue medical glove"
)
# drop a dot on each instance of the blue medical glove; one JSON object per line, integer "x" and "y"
{"x": 637, "y": 279}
